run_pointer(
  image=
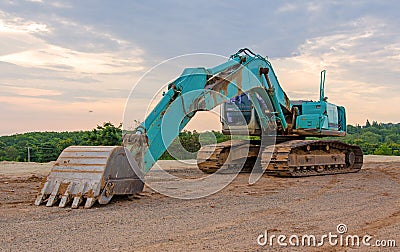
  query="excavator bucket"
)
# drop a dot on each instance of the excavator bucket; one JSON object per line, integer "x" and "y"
{"x": 89, "y": 174}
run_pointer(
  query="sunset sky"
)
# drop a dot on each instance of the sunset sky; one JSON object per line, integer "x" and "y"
{"x": 70, "y": 65}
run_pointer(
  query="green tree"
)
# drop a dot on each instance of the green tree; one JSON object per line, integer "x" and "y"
{"x": 370, "y": 137}
{"x": 107, "y": 134}
{"x": 11, "y": 153}
{"x": 48, "y": 152}
{"x": 64, "y": 143}
{"x": 383, "y": 150}
{"x": 392, "y": 138}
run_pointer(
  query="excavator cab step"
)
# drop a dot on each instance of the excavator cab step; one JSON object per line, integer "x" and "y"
{"x": 90, "y": 174}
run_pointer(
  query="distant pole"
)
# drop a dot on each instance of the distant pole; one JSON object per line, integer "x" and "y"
{"x": 29, "y": 154}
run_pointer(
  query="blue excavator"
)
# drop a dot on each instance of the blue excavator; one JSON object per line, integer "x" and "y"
{"x": 268, "y": 132}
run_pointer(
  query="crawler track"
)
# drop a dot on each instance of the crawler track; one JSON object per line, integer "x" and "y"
{"x": 299, "y": 158}
{"x": 211, "y": 158}
{"x": 295, "y": 158}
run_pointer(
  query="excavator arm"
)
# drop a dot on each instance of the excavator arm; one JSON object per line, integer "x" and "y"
{"x": 201, "y": 89}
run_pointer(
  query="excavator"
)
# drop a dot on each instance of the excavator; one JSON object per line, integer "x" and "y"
{"x": 253, "y": 104}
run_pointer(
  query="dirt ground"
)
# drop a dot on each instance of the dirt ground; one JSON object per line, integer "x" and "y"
{"x": 367, "y": 202}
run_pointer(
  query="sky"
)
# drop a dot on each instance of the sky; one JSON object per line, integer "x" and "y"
{"x": 71, "y": 65}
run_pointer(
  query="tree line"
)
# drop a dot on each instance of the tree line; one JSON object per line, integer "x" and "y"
{"x": 47, "y": 146}
{"x": 374, "y": 138}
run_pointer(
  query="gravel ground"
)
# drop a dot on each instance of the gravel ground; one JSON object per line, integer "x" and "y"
{"x": 368, "y": 202}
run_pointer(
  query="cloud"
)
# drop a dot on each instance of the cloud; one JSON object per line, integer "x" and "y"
{"x": 53, "y": 3}
{"x": 60, "y": 4}
{"x": 26, "y": 54}
{"x": 55, "y": 57}
{"x": 50, "y": 85}
{"x": 32, "y": 92}
{"x": 287, "y": 7}
{"x": 12, "y": 24}
{"x": 361, "y": 72}
{"x": 34, "y": 51}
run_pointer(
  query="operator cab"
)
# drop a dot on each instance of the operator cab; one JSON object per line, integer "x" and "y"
{"x": 238, "y": 116}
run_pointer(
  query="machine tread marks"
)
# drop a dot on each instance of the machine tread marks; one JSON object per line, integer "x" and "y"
{"x": 301, "y": 158}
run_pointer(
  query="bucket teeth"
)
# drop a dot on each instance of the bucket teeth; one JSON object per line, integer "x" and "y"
{"x": 66, "y": 198}
{"x": 54, "y": 195}
{"x": 40, "y": 197}
{"x": 77, "y": 201}
{"x": 89, "y": 202}
{"x": 78, "y": 196}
